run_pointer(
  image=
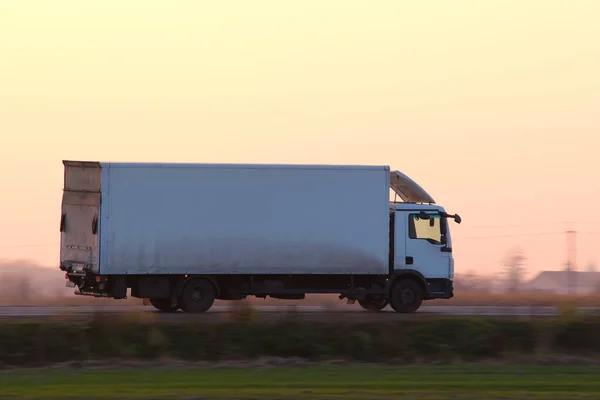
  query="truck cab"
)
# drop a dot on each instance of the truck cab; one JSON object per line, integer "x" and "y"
{"x": 422, "y": 243}
{"x": 420, "y": 246}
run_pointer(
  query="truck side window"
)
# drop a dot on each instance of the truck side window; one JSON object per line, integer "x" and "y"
{"x": 426, "y": 229}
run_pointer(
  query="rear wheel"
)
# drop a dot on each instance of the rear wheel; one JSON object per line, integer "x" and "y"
{"x": 198, "y": 296}
{"x": 163, "y": 305}
{"x": 406, "y": 296}
{"x": 373, "y": 304}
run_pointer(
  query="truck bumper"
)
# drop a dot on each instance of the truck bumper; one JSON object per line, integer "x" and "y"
{"x": 440, "y": 288}
{"x": 86, "y": 283}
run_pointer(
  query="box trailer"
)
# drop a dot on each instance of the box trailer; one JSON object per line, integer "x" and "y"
{"x": 183, "y": 235}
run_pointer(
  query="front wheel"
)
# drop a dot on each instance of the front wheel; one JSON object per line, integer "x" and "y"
{"x": 406, "y": 296}
{"x": 163, "y": 305}
{"x": 373, "y": 304}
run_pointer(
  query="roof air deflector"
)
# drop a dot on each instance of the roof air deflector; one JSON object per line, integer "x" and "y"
{"x": 408, "y": 190}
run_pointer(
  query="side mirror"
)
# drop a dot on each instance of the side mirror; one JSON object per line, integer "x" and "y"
{"x": 457, "y": 219}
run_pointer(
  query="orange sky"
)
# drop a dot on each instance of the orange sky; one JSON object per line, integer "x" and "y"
{"x": 494, "y": 107}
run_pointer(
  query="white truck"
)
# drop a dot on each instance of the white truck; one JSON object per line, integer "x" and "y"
{"x": 183, "y": 235}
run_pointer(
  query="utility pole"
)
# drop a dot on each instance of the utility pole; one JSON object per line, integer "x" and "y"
{"x": 571, "y": 259}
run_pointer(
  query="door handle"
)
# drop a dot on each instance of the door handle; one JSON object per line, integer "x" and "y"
{"x": 409, "y": 260}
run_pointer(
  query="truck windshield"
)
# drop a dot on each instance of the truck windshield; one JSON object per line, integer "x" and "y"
{"x": 426, "y": 229}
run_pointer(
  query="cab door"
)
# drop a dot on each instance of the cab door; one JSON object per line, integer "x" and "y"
{"x": 424, "y": 245}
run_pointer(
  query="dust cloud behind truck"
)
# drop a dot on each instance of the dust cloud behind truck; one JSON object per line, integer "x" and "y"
{"x": 183, "y": 235}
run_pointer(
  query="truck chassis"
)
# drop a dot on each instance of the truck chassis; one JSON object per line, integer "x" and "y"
{"x": 403, "y": 290}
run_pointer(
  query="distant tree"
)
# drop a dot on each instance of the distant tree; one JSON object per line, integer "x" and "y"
{"x": 514, "y": 270}
{"x": 465, "y": 282}
{"x": 470, "y": 281}
{"x": 591, "y": 267}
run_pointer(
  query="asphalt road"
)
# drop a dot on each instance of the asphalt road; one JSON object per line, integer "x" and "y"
{"x": 272, "y": 311}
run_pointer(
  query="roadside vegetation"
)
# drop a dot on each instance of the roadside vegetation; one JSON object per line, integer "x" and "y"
{"x": 244, "y": 335}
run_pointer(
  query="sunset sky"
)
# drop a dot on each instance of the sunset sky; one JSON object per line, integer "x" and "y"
{"x": 492, "y": 106}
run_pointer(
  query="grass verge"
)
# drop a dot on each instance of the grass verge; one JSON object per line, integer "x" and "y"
{"x": 339, "y": 382}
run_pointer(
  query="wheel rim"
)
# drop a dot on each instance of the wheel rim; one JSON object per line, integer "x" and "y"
{"x": 197, "y": 295}
{"x": 407, "y": 296}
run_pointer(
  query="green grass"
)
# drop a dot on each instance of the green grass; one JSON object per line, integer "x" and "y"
{"x": 331, "y": 382}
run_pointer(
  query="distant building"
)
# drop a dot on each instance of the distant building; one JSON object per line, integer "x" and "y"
{"x": 557, "y": 282}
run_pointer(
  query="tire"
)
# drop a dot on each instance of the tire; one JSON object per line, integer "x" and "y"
{"x": 198, "y": 296}
{"x": 406, "y": 296}
{"x": 372, "y": 304}
{"x": 163, "y": 305}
